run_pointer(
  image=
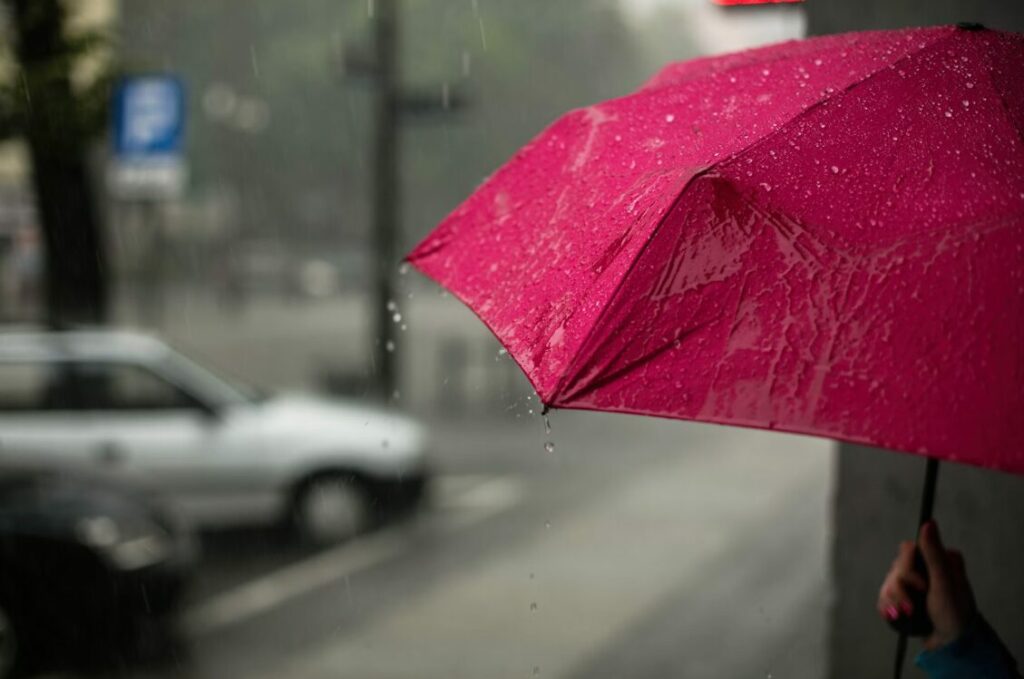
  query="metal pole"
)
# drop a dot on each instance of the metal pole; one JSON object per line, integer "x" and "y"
{"x": 931, "y": 476}
{"x": 385, "y": 191}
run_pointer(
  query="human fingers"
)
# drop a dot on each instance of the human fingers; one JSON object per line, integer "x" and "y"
{"x": 903, "y": 567}
{"x": 894, "y": 597}
{"x": 935, "y": 555}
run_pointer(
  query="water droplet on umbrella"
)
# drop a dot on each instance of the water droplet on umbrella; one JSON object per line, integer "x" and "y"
{"x": 949, "y": 114}
{"x": 835, "y": 170}
{"x": 669, "y": 118}
{"x": 549, "y": 446}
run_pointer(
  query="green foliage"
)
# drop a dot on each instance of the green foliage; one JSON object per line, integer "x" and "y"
{"x": 42, "y": 90}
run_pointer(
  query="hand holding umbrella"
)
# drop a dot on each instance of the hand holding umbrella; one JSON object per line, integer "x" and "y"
{"x": 961, "y": 643}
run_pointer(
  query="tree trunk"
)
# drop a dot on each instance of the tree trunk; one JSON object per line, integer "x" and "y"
{"x": 76, "y": 283}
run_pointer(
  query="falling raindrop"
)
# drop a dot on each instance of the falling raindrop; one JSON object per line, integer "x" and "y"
{"x": 547, "y": 429}
{"x": 549, "y": 446}
{"x": 403, "y": 268}
{"x": 389, "y": 345}
{"x": 404, "y": 327}
{"x": 397, "y": 318}
{"x": 533, "y": 606}
{"x": 391, "y": 305}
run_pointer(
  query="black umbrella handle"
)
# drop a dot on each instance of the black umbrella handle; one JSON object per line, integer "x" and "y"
{"x": 918, "y": 624}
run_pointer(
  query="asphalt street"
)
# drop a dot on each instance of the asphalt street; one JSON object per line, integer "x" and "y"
{"x": 636, "y": 548}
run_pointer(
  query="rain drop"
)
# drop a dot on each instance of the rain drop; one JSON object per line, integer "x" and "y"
{"x": 536, "y": 670}
{"x": 397, "y": 318}
{"x": 533, "y": 606}
{"x": 403, "y": 269}
{"x": 817, "y": 62}
{"x": 549, "y": 446}
{"x": 391, "y": 305}
{"x": 835, "y": 170}
{"x": 669, "y": 118}
{"x": 547, "y": 428}
{"x": 547, "y": 524}
{"x": 390, "y": 346}
{"x": 949, "y": 114}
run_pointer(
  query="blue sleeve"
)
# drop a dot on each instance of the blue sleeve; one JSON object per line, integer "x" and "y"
{"x": 976, "y": 654}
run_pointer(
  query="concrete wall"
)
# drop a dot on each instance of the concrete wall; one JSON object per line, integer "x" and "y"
{"x": 878, "y": 492}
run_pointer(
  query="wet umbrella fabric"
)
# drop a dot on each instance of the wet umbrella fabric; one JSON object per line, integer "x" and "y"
{"x": 822, "y": 237}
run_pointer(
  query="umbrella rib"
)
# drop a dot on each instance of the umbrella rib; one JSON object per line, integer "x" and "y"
{"x": 573, "y": 373}
{"x": 646, "y": 358}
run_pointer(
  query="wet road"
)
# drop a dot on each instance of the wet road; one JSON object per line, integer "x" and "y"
{"x": 637, "y": 548}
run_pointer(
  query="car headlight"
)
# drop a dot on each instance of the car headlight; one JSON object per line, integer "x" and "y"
{"x": 129, "y": 543}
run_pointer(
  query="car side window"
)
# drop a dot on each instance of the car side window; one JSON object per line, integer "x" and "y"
{"x": 114, "y": 386}
{"x": 27, "y": 386}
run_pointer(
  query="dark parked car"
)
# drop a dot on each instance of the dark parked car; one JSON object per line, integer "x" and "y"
{"x": 85, "y": 566}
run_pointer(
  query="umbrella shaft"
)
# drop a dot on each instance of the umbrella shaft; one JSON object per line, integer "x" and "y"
{"x": 931, "y": 477}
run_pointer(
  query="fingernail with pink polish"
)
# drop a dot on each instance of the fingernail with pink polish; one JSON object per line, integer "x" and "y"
{"x": 892, "y": 613}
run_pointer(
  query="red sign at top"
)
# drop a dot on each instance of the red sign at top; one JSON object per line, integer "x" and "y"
{"x": 727, "y": 3}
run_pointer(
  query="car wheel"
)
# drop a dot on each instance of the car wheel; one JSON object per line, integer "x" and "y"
{"x": 8, "y": 643}
{"x": 330, "y": 508}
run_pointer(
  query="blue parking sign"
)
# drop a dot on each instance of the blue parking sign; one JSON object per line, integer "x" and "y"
{"x": 148, "y": 116}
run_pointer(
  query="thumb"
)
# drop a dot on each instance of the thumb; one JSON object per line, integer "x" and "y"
{"x": 934, "y": 553}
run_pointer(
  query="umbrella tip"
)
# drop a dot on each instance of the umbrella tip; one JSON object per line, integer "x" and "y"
{"x": 970, "y": 26}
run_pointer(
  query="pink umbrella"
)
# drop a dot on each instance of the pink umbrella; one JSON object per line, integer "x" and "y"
{"x": 822, "y": 237}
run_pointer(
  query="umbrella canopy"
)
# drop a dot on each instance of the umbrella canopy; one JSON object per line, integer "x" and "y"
{"x": 821, "y": 237}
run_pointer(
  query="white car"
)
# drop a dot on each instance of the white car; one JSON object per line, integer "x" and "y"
{"x": 129, "y": 405}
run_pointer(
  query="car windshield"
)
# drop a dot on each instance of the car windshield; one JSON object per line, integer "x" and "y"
{"x": 212, "y": 387}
